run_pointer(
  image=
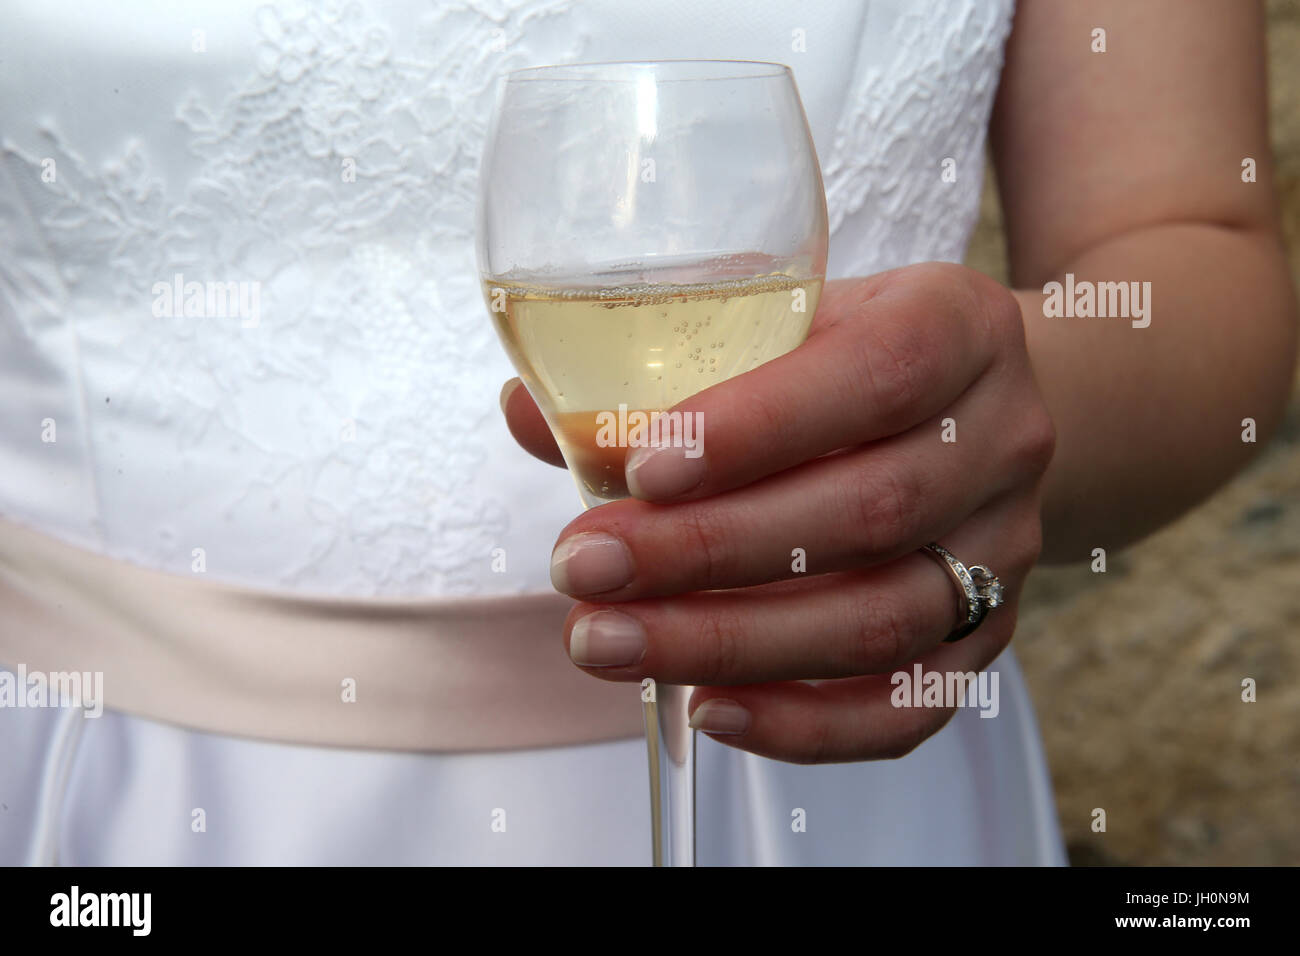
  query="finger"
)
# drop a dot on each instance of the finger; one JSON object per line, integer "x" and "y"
{"x": 526, "y": 424}
{"x": 843, "y": 720}
{"x": 828, "y": 626}
{"x": 890, "y": 354}
{"x": 835, "y": 513}
{"x": 836, "y": 625}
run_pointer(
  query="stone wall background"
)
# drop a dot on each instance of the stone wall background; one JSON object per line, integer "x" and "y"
{"x": 1136, "y": 673}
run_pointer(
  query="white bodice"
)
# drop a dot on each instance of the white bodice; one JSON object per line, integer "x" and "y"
{"x": 349, "y": 441}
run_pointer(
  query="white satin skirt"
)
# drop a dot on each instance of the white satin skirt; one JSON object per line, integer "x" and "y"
{"x": 125, "y": 790}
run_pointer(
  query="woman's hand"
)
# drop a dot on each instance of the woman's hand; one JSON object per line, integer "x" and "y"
{"x": 910, "y": 415}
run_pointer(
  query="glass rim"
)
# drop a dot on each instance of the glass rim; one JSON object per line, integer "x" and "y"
{"x": 708, "y": 69}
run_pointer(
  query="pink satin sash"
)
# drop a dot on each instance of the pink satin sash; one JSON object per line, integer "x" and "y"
{"x": 432, "y": 675}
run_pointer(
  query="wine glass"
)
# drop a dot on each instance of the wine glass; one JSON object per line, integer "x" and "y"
{"x": 647, "y": 230}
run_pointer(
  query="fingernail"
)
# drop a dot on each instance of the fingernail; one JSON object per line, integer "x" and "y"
{"x": 607, "y": 639}
{"x": 507, "y": 390}
{"x": 663, "y": 472}
{"x": 590, "y": 563}
{"x": 720, "y": 716}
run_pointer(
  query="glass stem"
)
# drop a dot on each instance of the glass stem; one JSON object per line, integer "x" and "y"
{"x": 671, "y": 749}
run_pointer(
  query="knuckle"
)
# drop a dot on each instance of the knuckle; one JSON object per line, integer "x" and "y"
{"x": 1033, "y": 541}
{"x": 818, "y": 749}
{"x": 885, "y": 506}
{"x": 773, "y": 418}
{"x": 898, "y": 749}
{"x": 879, "y": 635}
{"x": 719, "y": 650}
{"x": 896, "y": 362}
{"x": 1036, "y": 441}
{"x": 943, "y": 275}
{"x": 993, "y": 307}
{"x": 712, "y": 558}
{"x": 909, "y": 736}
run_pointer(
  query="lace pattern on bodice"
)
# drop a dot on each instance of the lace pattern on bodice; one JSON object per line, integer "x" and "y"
{"x": 348, "y": 441}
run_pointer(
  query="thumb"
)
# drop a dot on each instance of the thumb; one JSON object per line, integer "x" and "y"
{"x": 526, "y": 424}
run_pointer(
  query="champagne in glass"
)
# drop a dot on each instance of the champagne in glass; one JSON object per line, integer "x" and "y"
{"x": 646, "y": 231}
{"x": 644, "y": 340}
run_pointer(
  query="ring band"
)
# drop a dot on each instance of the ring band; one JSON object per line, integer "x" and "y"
{"x": 978, "y": 588}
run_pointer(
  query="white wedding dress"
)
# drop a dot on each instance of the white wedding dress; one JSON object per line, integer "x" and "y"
{"x": 138, "y": 142}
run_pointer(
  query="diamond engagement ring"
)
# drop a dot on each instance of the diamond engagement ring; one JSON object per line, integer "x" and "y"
{"x": 979, "y": 588}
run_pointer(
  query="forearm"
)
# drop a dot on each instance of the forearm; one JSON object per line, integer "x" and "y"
{"x": 1149, "y": 420}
